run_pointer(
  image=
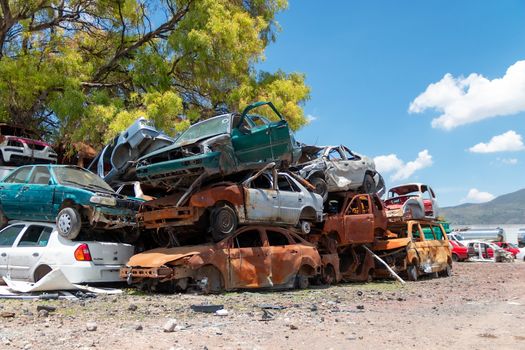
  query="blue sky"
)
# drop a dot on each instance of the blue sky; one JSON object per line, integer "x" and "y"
{"x": 367, "y": 61}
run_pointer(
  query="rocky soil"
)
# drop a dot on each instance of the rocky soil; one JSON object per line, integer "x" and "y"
{"x": 482, "y": 306}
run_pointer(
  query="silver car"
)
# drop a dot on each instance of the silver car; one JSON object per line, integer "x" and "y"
{"x": 115, "y": 160}
{"x": 336, "y": 168}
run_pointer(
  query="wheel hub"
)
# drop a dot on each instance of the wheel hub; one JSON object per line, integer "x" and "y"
{"x": 64, "y": 222}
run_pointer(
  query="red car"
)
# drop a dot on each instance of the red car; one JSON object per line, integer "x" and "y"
{"x": 508, "y": 247}
{"x": 459, "y": 251}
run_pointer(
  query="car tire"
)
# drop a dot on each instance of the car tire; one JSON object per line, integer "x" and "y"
{"x": 329, "y": 277}
{"x": 321, "y": 187}
{"x": 223, "y": 222}
{"x": 455, "y": 258}
{"x": 40, "y": 272}
{"x": 447, "y": 272}
{"x": 412, "y": 273}
{"x": 302, "y": 281}
{"x": 369, "y": 185}
{"x": 306, "y": 227}
{"x": 69, "y": 223}
{"x": 214, "y": 281}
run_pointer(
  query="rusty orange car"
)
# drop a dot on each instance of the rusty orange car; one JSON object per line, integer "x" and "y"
{"x": 253, "y": 257}
{"x": 415, "y": 247}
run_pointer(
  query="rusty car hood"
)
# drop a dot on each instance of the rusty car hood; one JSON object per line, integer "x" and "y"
{"x": 160, "y": 256}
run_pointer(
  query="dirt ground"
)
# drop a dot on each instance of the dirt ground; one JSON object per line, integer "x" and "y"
{"x": 482, "y": 306}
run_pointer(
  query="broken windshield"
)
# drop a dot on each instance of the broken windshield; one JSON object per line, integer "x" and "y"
{"x": 80, "y": 177}
{"x": 211, "y": 127}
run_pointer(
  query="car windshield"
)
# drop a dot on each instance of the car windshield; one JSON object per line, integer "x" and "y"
{"x": 207, "y": 128}
{"x": 80, "y": 177}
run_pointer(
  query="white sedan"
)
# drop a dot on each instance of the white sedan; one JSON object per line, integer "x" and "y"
{"x": 30, "y": 250}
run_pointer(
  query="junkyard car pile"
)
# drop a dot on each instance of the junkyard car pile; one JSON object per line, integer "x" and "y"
{"x": 233, "y": 202}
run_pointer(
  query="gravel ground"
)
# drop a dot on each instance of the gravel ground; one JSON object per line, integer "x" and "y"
{"x": 482, "y": 306}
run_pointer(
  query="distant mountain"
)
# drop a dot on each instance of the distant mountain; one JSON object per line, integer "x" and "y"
{"x": 505, "y": 209}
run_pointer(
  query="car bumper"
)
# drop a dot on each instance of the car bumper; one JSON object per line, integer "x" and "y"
{"x": 19, "y": 155}
{"x": 111, "y": 218}
{"x": 195, "y": 165}
{"x": 91, "y": 273}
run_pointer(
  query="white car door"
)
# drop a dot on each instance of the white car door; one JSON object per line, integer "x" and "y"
{"x": 8, "y": 237}
{"x": 338, "y": 172}
{"x": 290, "y": 200}
{"x": 355, "y": 166}
{"x": 28, "y": 250}
{"x": 262, "y": 200}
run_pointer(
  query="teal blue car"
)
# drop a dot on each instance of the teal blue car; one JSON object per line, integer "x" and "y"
{"x": 72, "y": 196}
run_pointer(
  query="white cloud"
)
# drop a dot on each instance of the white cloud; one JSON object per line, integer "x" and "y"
{"x": 509, "y": 141}
{"x": 509, "y": 161}
{"x": 476, "y": 196}
{"x": 474, "y": 98}
{"x": 392, "y": 164}
{"x": 310, "y": 118}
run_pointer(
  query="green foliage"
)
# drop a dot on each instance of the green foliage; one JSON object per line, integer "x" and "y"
{"x": 85, "y": 70}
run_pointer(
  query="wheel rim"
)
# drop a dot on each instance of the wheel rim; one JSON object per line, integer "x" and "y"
{"x": 305, "y": 226}
{"x": 64, "y": 223}
{"x": 225, "y": 221}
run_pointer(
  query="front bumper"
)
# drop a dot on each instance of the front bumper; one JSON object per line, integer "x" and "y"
{"x": 23, "y": 155}
{"x": 111, "y": 218}
{"x": 195, "y": 165}
{"x": 162, "y": 273}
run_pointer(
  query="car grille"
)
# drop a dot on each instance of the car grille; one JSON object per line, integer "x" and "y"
{"x": 36, "y": 147}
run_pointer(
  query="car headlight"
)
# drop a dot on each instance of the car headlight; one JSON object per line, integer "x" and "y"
{"x": 206, "y": 149}
{"x": 110, "y": 201}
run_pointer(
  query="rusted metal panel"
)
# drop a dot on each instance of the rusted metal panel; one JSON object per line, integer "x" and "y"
{"x": 231, "y": 193}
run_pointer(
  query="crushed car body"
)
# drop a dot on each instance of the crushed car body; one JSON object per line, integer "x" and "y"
{"x": 267, "y": 197}
{"x": 411, "y": 201}
{"x": 253, "y": 257}
{"x": 72, "y": 196}
{"x": 337, "y": 169}
{"x": 115, "y": 162}
{"x": 415, "y": 247}
{"x": 221, "y": 145}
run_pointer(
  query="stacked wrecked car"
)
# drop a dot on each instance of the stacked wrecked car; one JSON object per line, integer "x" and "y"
{"x": 233, "y": 202}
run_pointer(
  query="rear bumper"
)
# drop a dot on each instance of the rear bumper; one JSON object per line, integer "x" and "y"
{"x": 21, "y": 155}
{"x": 91, "y": 273}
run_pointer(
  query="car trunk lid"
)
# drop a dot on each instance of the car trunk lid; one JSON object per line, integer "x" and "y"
{"x": 108, "y": 253}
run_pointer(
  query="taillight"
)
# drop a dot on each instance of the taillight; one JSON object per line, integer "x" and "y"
{"x": 82, "y": 253}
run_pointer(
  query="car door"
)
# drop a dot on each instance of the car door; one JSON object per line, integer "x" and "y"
{"x": 291, "y": 200}
{"x": 11, "y": 190}
{"x": 27, "y": 252}
{"x": 285, "y": 257}
{"x": 248, "y": 260}
{"x": 359, "y": 221}
{"x": 261, "y": 200}
{"x": 251, "y": 143}
{"x": 8, "y": 237}
{"x": 36, "y": 198}
{"x": 355, "y": 165}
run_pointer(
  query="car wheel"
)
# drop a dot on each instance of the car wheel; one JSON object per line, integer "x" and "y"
{"x": 329, "y": 276}
{"x": 447, "y": 272}
{"x": 3, "y": 220}
{"x": 223, "y": 222}
{"x": 369, "y": 185}
{"x": 40, "y": 272}
{"x": 69, "y": 223}
{"x": 306, "y": 227}
{"x": 210, "y": 279}
{"x": 455, "y": 258}
{"x": 412, "y": 273}
{"x": 321, "y": 188}
{"x": 301, "y": 281}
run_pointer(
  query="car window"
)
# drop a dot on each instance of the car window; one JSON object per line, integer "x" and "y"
{"x": 416, "y": 233}
{"x": 334, "y": 154}
{"x": 285, "y": 184}
{"x": 258, "y": 120}
{"x": 359, "y": 205}
{"x": 277, "y": 238}
{"x": 377, "y": 203}
{"x": 35, "y": 236}
{"x": 438, "y": 233}
{"x": 19, "y": 176}
{"x": 247, "y": 239}
{"x": 40, "y": 176}
{"x": 262, "y": 182}
{"x": 428, "y": 232}
{"x": 9, "y": 234}
{"x": 349, "y": 155}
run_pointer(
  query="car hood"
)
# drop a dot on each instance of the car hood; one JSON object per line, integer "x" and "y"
{"x": 161, "y": 256}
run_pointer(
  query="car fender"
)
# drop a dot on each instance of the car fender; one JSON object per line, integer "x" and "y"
{"x": 314, "y": 263}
